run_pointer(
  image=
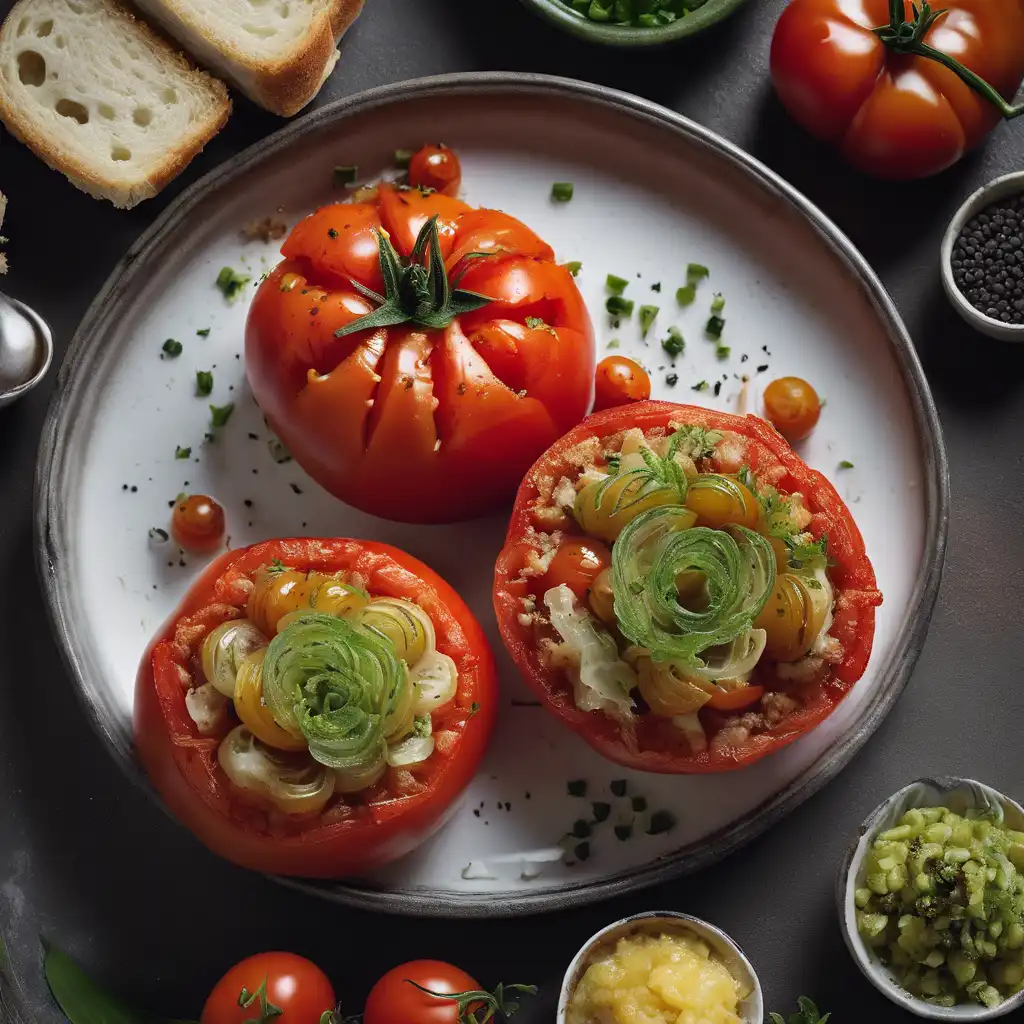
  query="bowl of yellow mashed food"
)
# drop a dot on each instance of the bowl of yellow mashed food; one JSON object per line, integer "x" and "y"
{"x": 660, "y": 968}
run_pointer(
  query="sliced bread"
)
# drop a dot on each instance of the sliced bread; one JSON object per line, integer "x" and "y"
{"x": 277, "y": 52}
{"x": 99, "y": 96}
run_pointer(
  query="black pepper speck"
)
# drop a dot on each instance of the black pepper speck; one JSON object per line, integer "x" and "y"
{"x": 987, "y": 261}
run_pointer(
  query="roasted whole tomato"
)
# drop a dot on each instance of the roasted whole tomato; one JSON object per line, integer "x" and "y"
{"x": 280, "y": 987}
{"x": 739, "y": 606}
{"x": 416, "y": 354}
{"x": 314, "y": 707}
{"x": 892, "y": 109}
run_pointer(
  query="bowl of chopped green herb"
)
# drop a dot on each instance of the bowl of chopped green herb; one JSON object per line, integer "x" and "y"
{"x": 931, "y": 898}
{"x": 633, "y": 22}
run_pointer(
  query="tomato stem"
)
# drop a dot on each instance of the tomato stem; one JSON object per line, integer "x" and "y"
{"x": 267, "y": 1010}
{"x": 907, "y": 37}
{"x": 472, "y": 1002}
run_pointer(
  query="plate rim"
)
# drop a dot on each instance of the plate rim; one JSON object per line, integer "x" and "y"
{"x": 449, "y": 903}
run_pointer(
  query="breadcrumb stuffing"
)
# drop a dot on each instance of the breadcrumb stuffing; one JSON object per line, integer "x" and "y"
{"x": 269, "y": 229}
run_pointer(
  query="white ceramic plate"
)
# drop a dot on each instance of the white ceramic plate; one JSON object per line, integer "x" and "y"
{"x": 652, "y": 193}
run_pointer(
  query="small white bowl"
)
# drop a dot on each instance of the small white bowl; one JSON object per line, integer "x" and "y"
{"x": 958, "y": 795}
{"x": 658, "y": 922}
{"x": 1000, "y": 188}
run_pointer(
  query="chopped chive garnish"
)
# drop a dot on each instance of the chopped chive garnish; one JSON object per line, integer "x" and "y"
{"x": 845, "y": 464}
{"x": 574, "y": 267}
{"x": 182, "y": 453}
{"x": 714, "y": 326}
{"x": 618, "y": 306}
{"x": 601, "y": 810}
{"x": 639, "y": 803}
{"x": 686, "y": 294}
{"x": 615, "y": 284}
{"x": 582, "y": 851}
{"x": 158, "y": 535}
{"x": 581, "y": 829}
{"x": 656, "y": 287}
{"x": 220, "y": 414}
{"x": 561, "y": 191}
{"x": 403, "y": 157}
{"x": 672, "y": 379}
{"x": 230, "y": 283}
{"x": 172, "y": 348}
{"x": 577, "y": 788}
{"x": 700, "y": 386}
{"x": 723, "y": 351}
{"x": 533, "y": 322}
{"x": 614, "y": 343}
{"x": 718, "y": 303}
{"x": 345, "y": 175}
{"x": 623, "y": 832}
{"x": 204, "y": 383}
{"x": 661, "y": 821}
{"x": 696, "y": 272}
{"x": 618, "y": 787}
{"x": 647, "y": 317}
{"x": 203, "y": 332}
{"x": 674, "y": 343}
{"x": 718, "y": 388}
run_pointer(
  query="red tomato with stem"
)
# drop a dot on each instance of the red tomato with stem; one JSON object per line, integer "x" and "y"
{"x": 407, "y": 413}
{"x": 893, "y": 111}
{"x": 620, "y": 380}
{"x": 436, "y": 167}
{"x": 396, "y": 999}
{"x": 389, "y": 818}
{"x": 279, "y": 987}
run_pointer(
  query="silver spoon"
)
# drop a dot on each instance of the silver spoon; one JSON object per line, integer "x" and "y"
{"x": 26, "y": 349}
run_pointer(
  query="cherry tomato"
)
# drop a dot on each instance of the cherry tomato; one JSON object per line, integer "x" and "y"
{"x": 792, "y": 407}
{"x": 197, "y": 523}
{"x": 436, "y": 167}
{"x": 395, "y": 1000}
{"x": 577, "y": 563}
{"x": 292, "y": 984}
{"x": 620, "y": 380}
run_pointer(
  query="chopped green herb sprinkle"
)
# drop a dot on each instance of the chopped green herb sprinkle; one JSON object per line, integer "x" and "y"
{"x": 686, "y": 294}
{"x": 204, "y": 383}
{"x": 639, "y": 803}
{"x": 672, "y": 379}
{"x": 203, "y": 332}
{"x": 615, "y": 284}
{"x": 581, "y": 829}
{"x": 220, "y": 414}
{"x": 674, "y": 344}
{"x": 231, "y": 283}
{"x": 661, "y": 821}
{"x": 473, "y": 709}
{"x": 618, "y": 787}
{"x": 182, "y": 453}
{"x": 845, "y": 464}
{"x": 701, "y": 385}
{"x": 574, "y": 267}
{"x": 403, "y": 157}
{"x": 172, "y": 348}
{"x": 714, "y": 326}
{"x": 723, "y": 351}
{"x": 561, "y": 191}
{"x": 533, "y": 322}
{"x": 158, "y": 535}
{"x": 345, "y": 175}
{"x": 614, "y": 343}
{"x": 717, "y": 303}
{"x": 647, "y": 318}
{"x": 656, "y": 287}
{"x": 618, "y": 306}
{"x": 332, "y": 233}
{"x": 601, "y": 810}
{"x": 578, "y": 787}
{"x": 696, "y": 272}
{"x": 623, "y": 832}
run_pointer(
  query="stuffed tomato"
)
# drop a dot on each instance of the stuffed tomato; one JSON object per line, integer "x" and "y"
{"x": 682, "y": 590}
{"x": 416, "y": 355}
{"x": 314, "y": 707}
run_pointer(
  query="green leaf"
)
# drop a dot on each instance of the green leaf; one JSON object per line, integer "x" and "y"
{"x": 82, "y": 1000}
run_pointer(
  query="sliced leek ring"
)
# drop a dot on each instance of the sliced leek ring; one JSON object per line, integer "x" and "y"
{"x": 225, "y": 648}
{"x": 434, "y": 681}
{"x": 405, "y": 624}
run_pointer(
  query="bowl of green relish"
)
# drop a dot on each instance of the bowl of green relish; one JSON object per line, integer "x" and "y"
{"x": 931, "y": 899}
{"x": 633, "y": 22}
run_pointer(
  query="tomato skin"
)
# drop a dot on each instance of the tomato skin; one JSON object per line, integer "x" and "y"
{"x": 620, "y": 380}
{"x": 183, "y": 766}
{"x": 423, "y": 426}
{"x": 895, "y": 116}
{"x": 436, "y": 167}
{"x": 577, "y": 563}
{"x": 654, "y": 748}
{"x": 393, "y": 1000}
{"x": 294, "y": 984}
{"x": 792, "y": 406}
{"x": 197, "y": 523}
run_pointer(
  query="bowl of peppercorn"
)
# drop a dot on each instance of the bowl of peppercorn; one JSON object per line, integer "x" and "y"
{"x": 983, "y": 259}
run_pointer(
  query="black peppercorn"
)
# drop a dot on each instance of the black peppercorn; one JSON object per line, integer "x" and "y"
{"x": 986, "y": 261}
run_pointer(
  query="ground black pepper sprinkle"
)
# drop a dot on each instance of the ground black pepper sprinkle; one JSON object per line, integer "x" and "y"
{"x": 988, "y": 261}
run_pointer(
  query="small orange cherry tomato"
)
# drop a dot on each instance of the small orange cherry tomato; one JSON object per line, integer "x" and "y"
{"x": 436, "y": 167}
{"x": 577, "y": 563}
{"x": 792, "y": 406}
{"x": 197, "y": 523}
{"x": 620, "y": 380}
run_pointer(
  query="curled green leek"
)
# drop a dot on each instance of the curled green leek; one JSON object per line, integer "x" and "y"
{"x": 343, "y": 687}
{"x": 736, "y": 571}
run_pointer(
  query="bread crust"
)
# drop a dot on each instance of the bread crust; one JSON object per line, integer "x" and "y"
{"x": 90, "y": 179}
